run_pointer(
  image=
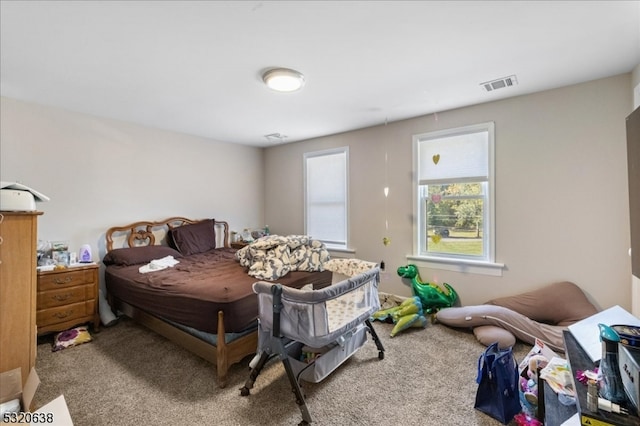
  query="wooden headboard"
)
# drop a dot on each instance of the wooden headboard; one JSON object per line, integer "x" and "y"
{"x": 145, "y": 233}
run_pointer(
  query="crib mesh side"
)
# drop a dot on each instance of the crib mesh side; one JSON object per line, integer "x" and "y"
{"x": 319, "y": 317}
{"x": 317, "y": 370}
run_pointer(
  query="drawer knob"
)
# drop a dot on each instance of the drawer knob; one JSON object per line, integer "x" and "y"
{"x": 65, "y": 280}
{"x": 61, "y": 315}
{"x": 61, "y": 297}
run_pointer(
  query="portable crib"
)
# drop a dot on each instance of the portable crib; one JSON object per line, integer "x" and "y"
{"x": 313, "y": 332}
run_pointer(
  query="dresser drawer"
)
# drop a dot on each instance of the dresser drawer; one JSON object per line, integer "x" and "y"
{"x": 66, "y": 278}
{"x": 65, "y": 296}
{"x": 55, "y": 315}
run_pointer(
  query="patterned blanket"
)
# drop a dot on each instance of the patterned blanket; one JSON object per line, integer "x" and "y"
{"x": 272, "y": 257}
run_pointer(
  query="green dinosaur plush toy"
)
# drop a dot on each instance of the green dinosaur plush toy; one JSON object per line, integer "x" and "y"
{"x": 431, "y": 295}
{"x": 408, "y": 314}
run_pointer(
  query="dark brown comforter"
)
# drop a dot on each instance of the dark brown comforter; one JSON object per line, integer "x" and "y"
{"x": 192, "y": 292}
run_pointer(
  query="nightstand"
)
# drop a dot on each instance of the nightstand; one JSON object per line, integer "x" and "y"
{"x": 67, "y": 297}
{"x": 239, "y": 244}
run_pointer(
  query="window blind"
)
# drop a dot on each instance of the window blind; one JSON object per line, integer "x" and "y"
{"x": 463, "y": 158}
{"x": 326, "y": 196}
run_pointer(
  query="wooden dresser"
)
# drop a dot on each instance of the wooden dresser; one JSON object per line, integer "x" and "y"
{"x": 18, "y": 245}
{"x": 67, "y": 297}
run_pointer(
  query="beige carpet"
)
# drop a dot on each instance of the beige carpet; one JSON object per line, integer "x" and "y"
{"x": 129, "y": 375}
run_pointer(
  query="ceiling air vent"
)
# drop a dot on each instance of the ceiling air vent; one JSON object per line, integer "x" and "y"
{"x": 275, "y": 137}
{"x": 500, "y": 83}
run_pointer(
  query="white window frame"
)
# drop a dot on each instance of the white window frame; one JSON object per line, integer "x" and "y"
{"x": 343, "y": 243}
{"x": 486, "y": 264}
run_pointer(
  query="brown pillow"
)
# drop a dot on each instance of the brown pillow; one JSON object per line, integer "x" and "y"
{"x": 561, "y": 303}
{"x": 137, "y": 255}
{"x": 194, "y": 238}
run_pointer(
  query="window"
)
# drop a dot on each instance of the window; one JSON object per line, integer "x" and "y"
{"x": 454, "y": 207}
{"x": 325, "y": 196}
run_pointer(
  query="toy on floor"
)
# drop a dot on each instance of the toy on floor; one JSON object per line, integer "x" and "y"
{"x": 523, "y": 419}
{"x": 408, "y": 314}
{"x": 529, "y": 383}
{"x": 431, "y": 295}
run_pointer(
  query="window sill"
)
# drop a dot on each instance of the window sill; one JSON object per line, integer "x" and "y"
{"x": 340, "y": 251}
{"x": 459, "y": 265}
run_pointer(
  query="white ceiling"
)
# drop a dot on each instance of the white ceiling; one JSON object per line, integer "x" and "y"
{"x": 194, "y": 67}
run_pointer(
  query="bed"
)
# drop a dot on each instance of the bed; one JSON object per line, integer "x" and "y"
{"x": 204, "y": 301}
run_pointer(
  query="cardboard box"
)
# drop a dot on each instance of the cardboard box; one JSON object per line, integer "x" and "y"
{"x": 11, "y": 389}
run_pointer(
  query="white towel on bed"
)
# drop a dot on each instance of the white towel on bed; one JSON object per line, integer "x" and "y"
{"x": 159, "y": 264}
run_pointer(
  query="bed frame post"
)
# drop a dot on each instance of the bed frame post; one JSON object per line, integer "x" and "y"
{"x": 222, "y": 358}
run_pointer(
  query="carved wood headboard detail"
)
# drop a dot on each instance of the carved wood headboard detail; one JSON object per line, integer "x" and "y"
{"x": 145, "y": 233}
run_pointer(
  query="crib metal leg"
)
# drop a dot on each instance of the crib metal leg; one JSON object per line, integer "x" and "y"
{"x": 376, "y": 339}
{"x": 264, "y": 357}
{"x": 306, "y": 417}
{"x": 278, "y": 343}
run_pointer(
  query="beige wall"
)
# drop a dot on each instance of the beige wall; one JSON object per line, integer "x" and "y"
{"x": 561, "y": 192}
{"x": 101, "y": 173}
{"x": 635, "y": 83}
{"x": 635, "y": 288}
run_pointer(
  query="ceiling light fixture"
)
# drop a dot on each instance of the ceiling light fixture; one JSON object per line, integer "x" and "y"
{"x": 283, "y": 79}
